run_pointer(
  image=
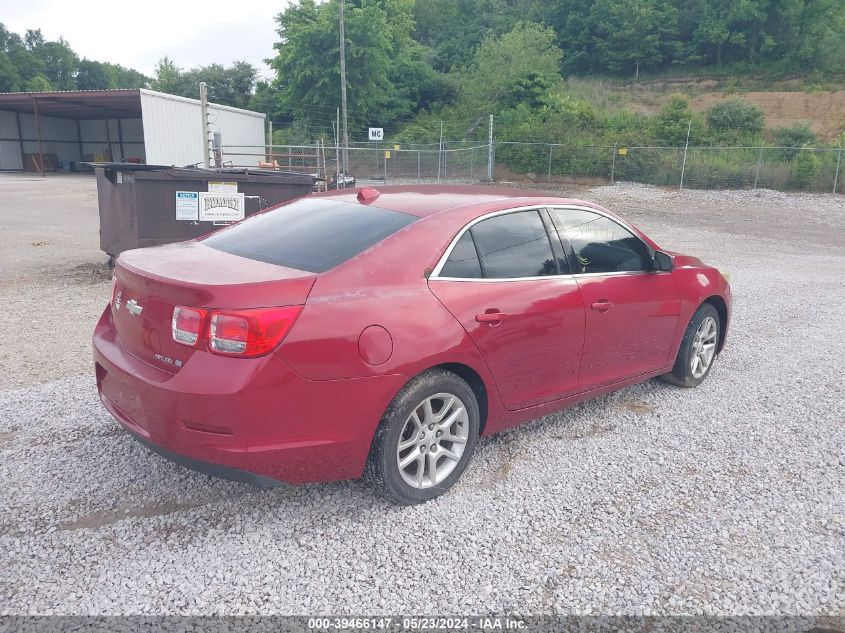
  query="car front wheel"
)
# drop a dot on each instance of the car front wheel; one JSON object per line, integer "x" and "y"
{"x": 425, "y": 438}
{"x": 698, "y": 348}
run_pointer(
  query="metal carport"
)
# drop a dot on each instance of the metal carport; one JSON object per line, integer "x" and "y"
{"x": 115, "y": 125}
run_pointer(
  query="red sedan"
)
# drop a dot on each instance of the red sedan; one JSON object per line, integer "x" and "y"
{"x": 380, "y": 333}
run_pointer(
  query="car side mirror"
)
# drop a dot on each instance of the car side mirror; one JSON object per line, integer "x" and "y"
{"x": 663, "y": 261}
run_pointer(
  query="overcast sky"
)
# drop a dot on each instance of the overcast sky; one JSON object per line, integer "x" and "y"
{"x": 137, "y": 34}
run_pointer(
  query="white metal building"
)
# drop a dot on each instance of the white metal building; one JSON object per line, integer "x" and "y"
{"x": 57, "y": 129}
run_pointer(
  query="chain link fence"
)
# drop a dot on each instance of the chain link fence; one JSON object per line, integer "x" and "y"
{"x": 780, "y": 168}
{"x": 376, "y": 163}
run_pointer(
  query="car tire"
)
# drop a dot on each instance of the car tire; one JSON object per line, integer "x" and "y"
{"x": 695, "y": 355}
{"x": 431, "y": 426}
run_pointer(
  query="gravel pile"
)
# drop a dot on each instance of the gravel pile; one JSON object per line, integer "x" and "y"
{"x": 722, "y": 500}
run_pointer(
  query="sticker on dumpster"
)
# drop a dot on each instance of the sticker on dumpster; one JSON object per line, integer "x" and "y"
{"x": 187, "y": 205}
{"x": 222, "y": 187}
{"x": 221, "y": 207}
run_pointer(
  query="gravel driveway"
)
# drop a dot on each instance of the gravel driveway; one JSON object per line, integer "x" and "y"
{"x": 725, "y": 500}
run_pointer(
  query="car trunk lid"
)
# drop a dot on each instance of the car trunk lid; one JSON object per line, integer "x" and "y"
{"x": 150, "y": 282}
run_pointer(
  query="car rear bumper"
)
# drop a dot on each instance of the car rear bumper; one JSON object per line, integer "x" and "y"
{"x": 249, "y": 419}
{"x": 208, "y": 468}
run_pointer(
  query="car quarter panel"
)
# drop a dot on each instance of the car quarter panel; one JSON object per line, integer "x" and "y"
{"x": 384, "y": 286}
{"x": 253, "y": 414}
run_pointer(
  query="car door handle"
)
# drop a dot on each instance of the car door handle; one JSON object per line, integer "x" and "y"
{"x": 603, "y": 305}
{"x": 491, "y": 317}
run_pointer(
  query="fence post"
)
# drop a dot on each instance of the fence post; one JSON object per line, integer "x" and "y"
{"x": 613, "y": 162}
{"x": 445, "y": 153}
{"x": 471, "y": 155}
{"x": 418, "y": 166}
{"x": 490, "y": 151}
{"x": 836, "y": 173}
{"x": 686, "y": 148}
{"x": 549, "y": 177}
{"x": 757, "y": 171}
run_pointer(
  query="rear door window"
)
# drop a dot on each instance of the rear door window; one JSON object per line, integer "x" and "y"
{"x": 312, "y": 234}
{"x": 514, "y": 245}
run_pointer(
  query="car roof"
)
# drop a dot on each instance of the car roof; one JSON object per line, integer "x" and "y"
{"x": 426, "y": 200}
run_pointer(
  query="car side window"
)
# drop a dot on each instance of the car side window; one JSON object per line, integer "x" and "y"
{"x": 514, "y": 245}
{"x": 600, "y": 244}
{"x": 463, "y": 260}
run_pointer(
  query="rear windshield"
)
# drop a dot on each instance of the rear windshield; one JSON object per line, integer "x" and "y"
{"x": 313, "y": 234}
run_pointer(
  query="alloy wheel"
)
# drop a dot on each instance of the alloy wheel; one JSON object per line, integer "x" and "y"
{"x": 433, "y": 440}
{"x": 703, "y": 347}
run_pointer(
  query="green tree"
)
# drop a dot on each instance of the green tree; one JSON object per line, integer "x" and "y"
{"x": 307, "y": 71}
{"x": 734, "y": 117}
{"x": 635, "y": 34}
{"x": 38, "y": 83}
{"x": 9, "y": 77}
{"x": 59, "y": 62}
{"x": 241, "y": 79}
{"x": 671, "y": 125}
{"x": 168, "y": 77}
{"x": 505, "y": 65}
{"x": 22, "y": 65}
{"x": 92, "y": 75}
{"x": 572, "y": 21}
{"x": 793, "y": 137}
{"x": 452, "y": 29}
{"x": 121, "y": 77}
{"x": 804, "y": 168}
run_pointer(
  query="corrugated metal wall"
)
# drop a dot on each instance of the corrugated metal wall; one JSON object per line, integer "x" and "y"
{"x": 239, "y": 130}
{"x": 173, "y": 132}
{"x": 61, "y": 137}
{"x": 10, "y": 150}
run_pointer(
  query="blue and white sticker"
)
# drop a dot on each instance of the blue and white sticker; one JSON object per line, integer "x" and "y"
{"x": 187, "y": 205}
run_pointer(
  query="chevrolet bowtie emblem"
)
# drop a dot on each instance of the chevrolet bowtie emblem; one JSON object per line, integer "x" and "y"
{"x": 133, "y": 308}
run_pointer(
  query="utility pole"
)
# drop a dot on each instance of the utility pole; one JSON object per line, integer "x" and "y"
{"x": 204, "y": 116}
{"x": 343, "y": 89}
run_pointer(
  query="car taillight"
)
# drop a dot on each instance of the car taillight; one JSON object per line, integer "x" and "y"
{"x": 187, "y": 324}
{"x": 250, "y": 332}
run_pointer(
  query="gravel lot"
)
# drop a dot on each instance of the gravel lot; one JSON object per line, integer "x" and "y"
{"x": 722, "y": 500}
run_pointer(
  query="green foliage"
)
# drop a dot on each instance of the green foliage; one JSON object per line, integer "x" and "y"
{"x": 38, "y": 84}
{"x": 383, "y": 62}
{"x": 805, "y": 166}
{"x": 32, "y": 63}
{"x": 734, "y": 115}
{"x": 92, "y": 75}
{"x": 232, "y": 85}
{"x": 59, "y": 62}
{"x": 793, "y": 136}
{"x": 524, "y": 60}
{"x": 453, "y": 29}
{"x": 670, "y": 127}
{"x": 633, "y": 33}
{"x": 612, "y": 34}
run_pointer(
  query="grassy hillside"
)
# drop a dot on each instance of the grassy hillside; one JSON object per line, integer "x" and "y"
{"x": 785, "y": 101}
